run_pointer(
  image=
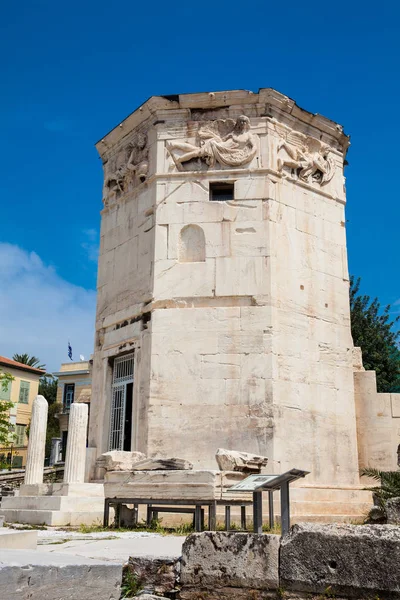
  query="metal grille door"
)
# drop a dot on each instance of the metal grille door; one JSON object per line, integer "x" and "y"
{"x": 122, "y": 375}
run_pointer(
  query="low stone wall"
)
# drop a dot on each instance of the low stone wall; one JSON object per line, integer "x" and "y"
{"x": 38, "y": 575}
{"x": 312, "y": 561}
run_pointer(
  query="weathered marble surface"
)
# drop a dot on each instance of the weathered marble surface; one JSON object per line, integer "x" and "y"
{"x": 74, "y": 470}
{"x": 393, "y": 511}
{"x": 237, "y": 311}
{"x": 37, "y": 442}
{"x": 232, "y": 460}
{"x": 55, "y": 576}
{"x": 163, "y": 464}
{"x": 119, "y": 460}
{"x": 164, "y": 485}
{"x": 213, "y": 560}
{"x": 352, "y": 560}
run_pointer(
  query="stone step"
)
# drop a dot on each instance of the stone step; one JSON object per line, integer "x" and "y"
{"x": 329, "y": 508}
{"x": 64, "y": 503}
{"x": 345, "y": 518}
{"x": 37, "y": 575}
{"x": 53, "y": 517}
{"x": 17, "y": 540}
{"x": 329, "y": 494}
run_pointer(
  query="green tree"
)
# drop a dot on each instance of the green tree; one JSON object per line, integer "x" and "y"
{"x": 30, "y": 361}
{"x": 372, "y": 329}
{"x": 5, "y": 405}
{"x": 48, "y": 388}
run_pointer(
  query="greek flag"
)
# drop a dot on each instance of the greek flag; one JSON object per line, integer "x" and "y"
{"x": 69, "y": 351}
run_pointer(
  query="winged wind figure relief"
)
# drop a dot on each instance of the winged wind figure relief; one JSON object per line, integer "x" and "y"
{"x": 306, "y": 155}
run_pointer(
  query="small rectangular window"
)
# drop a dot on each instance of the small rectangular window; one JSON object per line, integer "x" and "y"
{"x": 20, "y": 431}
{"x": 69, "y": 393}
{"x": 24, "y": 392}
{"x": 222, "y": 191}
{"x": 5, "y": 393}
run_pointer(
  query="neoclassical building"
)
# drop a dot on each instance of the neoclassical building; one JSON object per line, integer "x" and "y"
{"x": 223, "y": 307}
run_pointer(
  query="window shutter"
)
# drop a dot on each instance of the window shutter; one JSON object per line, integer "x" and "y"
{"x": 20, "y": 435}
{"x": 24, "y": 392}
{"x": 5, "y": 394}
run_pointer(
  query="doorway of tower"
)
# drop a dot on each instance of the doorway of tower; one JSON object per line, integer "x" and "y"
{"x": 121, "y": 404}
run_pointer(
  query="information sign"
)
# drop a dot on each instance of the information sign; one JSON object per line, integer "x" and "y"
{"x": 252, "y": 482}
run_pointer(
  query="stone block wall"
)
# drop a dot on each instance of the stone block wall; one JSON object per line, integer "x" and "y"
{"x": 312, "y": 561}
{"x": 378, "y": 424}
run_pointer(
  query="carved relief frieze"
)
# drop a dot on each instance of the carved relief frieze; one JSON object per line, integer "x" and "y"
{"x": 223, "y": 142}
{"x": 126, "y": 169}
{"x": 303, "y": 157}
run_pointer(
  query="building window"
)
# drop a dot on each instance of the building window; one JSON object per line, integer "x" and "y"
{"x": 24, "y": 392}
{"x": 222, "y": 191}
{"x": 192, "y": 244}
{"x": 5, "y": 393}
{"x": 69, "y": 392}
{"x": 20, "y": 437}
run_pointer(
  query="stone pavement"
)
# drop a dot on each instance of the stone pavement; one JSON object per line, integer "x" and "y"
{"x": 110, "y": 546}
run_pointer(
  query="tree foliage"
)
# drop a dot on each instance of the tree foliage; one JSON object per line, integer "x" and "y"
{"x": 389, "y": 488}
{"x": 372, "y": 329}
{"x": 30, "y": 361}
{"x": 5, "y": 406}
{"x": 48, "y": 388}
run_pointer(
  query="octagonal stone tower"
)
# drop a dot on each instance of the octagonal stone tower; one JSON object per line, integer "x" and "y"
{"x": 223, "y": 312}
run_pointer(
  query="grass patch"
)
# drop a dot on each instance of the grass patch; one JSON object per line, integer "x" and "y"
{"x": 131, "y": 584}
{"x": 21, "y": 527}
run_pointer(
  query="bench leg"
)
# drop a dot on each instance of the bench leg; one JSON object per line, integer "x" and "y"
{"x": 117, "y": 520}
{"x": 212, "y": 516}
{"x": 135, "y": 514}
{"x": 227, "y": 518}
{"x": 243, "y": 517}
{"x": 197, "y": 518}
{"x": 106, "y": 516}
{"x": 202, "y": 519}
{"x": 149, "y": 515}
{"x": 271, "y": 509}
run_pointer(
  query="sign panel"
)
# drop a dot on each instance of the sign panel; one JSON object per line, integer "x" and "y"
{"x": 267, "y": 482}
{"x": 252, "y": 482}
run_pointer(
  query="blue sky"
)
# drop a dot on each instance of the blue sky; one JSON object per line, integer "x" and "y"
{"x": 71, "y": 71}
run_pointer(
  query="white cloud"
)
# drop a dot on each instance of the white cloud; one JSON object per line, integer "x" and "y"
{"x": 91, "y": 244}
{"x": 40, "y": 311}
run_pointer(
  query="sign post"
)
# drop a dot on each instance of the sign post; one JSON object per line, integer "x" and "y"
{"x": 269, "y": 483}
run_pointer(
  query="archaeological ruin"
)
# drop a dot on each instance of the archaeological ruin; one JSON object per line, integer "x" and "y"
{"x": 223, "y": 296}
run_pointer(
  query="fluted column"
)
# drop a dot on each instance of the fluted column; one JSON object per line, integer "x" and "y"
{"x": 37, "y": 442}
{"x": 74, "y": 470}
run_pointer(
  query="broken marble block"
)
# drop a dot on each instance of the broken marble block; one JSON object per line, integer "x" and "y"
{"x": 232, "y": 460}
{"x": 163, "y": 464}
{"x": 119, "y": 460}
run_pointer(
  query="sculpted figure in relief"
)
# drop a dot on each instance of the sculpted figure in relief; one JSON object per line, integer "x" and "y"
{"x": 232, "y": 149}
{"x": 131, "y": 163}
{"x": 306, "y": 155}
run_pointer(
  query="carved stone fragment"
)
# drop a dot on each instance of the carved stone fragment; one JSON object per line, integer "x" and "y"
{"x": 232, "y": 460}
{"x": 119, "y": 460}
{"x": 163, "y": 464}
